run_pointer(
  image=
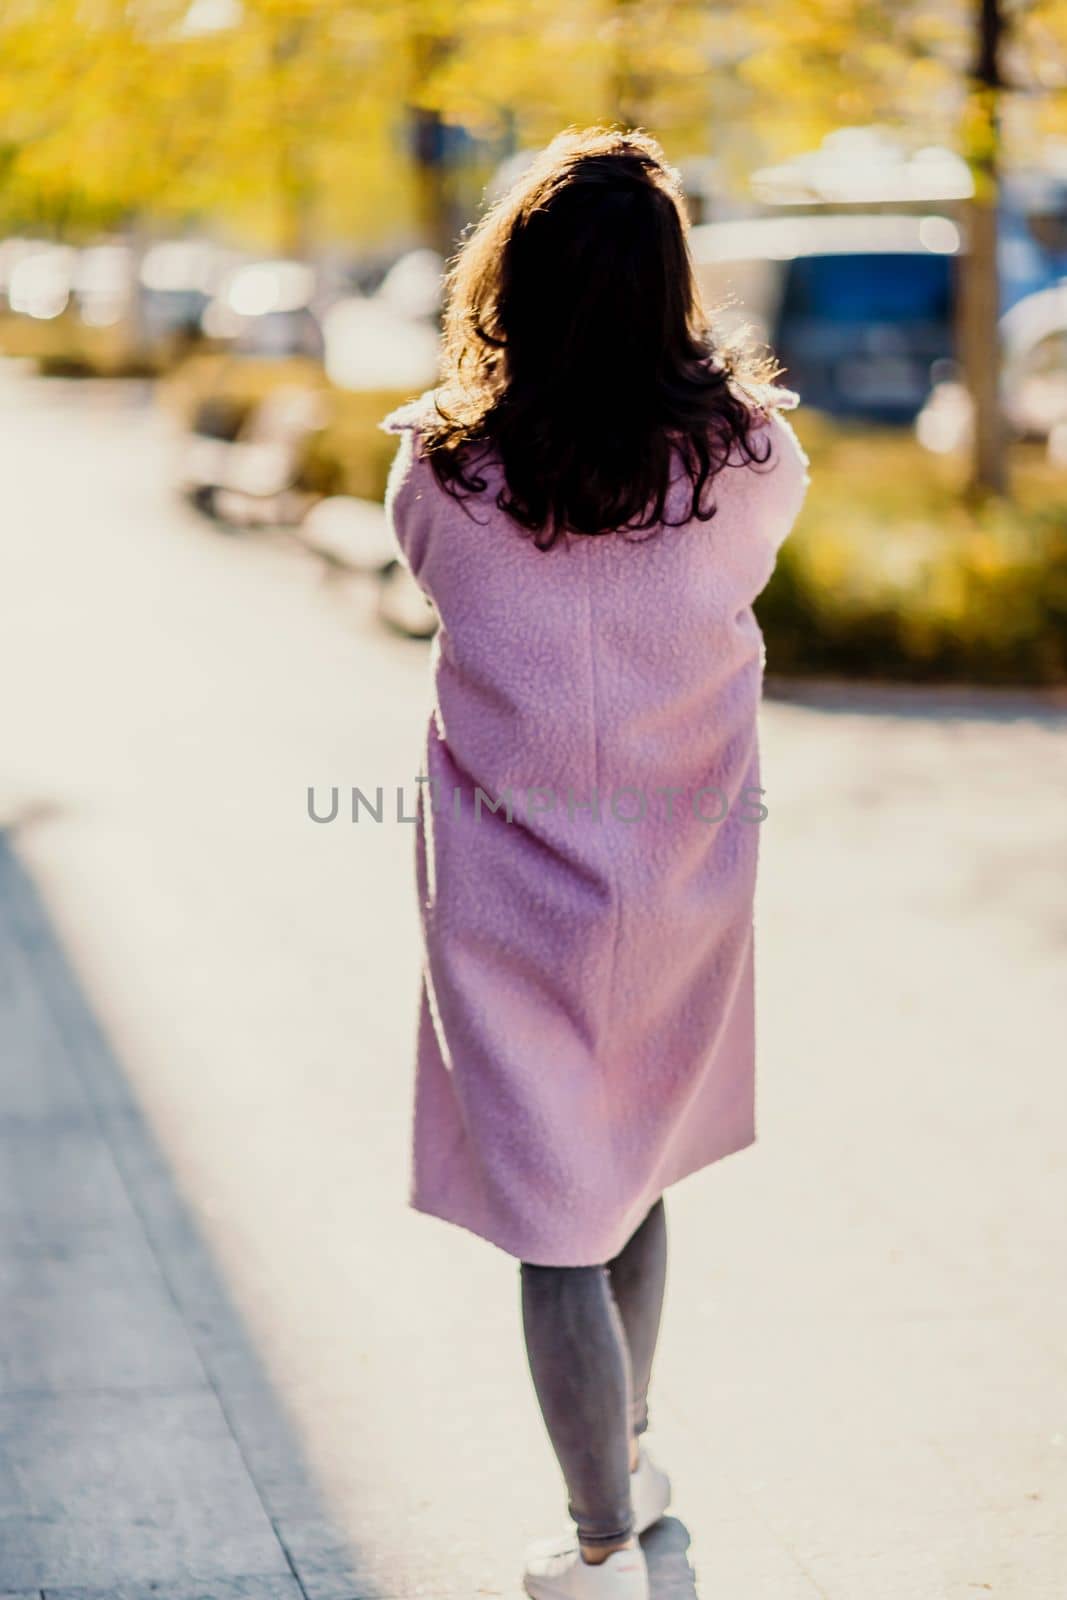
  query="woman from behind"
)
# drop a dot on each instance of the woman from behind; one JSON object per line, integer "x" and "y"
{"x": 593, "y": 498}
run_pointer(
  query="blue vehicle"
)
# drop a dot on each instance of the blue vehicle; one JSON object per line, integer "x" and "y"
{"x": 1033, "y": 235}
{"x": 858, "y": 308}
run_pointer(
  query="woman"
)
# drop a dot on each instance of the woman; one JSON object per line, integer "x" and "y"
{"x": 593, "y": 497}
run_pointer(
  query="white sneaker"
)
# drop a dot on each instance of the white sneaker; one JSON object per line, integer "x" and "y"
{"x": 561, "y": 1574}
{"x": 650, "y": 1492}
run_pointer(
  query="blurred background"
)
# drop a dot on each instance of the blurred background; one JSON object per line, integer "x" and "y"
{"x": 250, "y": 204}
{"x": 232, "y": 1364}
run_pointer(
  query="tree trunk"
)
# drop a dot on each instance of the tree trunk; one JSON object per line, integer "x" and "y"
{"x": 629, "y": 87}
{"x": 294, "y": 189}
{"x": 623, "y": 89}
{"x": 979, "y": 310}
{"x": 433, "y": 208}
{"x": 434, "y": 213}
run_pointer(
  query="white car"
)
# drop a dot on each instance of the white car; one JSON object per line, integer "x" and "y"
{"x": 1034, "y": 374}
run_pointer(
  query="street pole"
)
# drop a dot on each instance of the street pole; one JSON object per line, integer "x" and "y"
{"x": 979, "y": 310}
{"x": 433, "y": 200}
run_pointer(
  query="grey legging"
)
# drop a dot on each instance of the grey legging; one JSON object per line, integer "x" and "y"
{"x": 590, "y": 1337}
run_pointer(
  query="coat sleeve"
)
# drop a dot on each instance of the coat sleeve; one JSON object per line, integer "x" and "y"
{"x": 777, "y": 483}
{"x": 791, "y": 478}
{"x": 406, "y": 510}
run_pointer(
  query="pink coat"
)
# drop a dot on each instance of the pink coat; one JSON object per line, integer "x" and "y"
{"x": 585, "y": 1036}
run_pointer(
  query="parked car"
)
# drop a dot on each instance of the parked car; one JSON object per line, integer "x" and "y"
{"x": 1034, "y": 381}
{"x": 857, "y": 307}
{"x": 266, "y": 309}
{"x": 358, "y": 357}
{"x": 871, "y": 170}
{"x": 1033, "y": 233}
{"x": 37, "y": 279}
{"x": 176, "y": 283}
{"x": 108, "y": 309}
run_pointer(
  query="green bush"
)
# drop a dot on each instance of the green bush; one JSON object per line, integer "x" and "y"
{"x": 890, "y": 574}
{"x": 352, "y": 455}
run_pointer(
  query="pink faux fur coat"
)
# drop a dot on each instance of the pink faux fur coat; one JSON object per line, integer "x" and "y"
{"x": 585, "y": 1035}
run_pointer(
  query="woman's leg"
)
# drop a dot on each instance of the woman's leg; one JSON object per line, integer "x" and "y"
{"x": 581, "y": 1371}
{"x": 591, "y": 1336}
{"x": 638, "y": 1275}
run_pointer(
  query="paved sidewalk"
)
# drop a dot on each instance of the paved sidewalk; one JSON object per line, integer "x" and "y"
{"x": 141, "y": 1452}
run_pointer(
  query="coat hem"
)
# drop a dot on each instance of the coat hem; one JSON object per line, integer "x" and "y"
{"x": 570, "y": 1255}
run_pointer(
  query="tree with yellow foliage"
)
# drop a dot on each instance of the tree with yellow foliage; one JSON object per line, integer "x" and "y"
{"x": 302, "y": 120}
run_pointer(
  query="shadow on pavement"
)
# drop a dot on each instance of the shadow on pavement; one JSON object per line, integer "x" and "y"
{"x": 932, "y": 702}
{"x": 670, "y": 1575}
{"x": 142, "y": 1450}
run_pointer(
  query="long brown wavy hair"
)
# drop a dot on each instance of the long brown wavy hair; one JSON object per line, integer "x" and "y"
{"x": 576, "y": 349}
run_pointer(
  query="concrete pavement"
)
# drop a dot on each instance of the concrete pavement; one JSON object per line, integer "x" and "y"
{"x": 122, "y": 1464}
{"x": 234, "y": 1355}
